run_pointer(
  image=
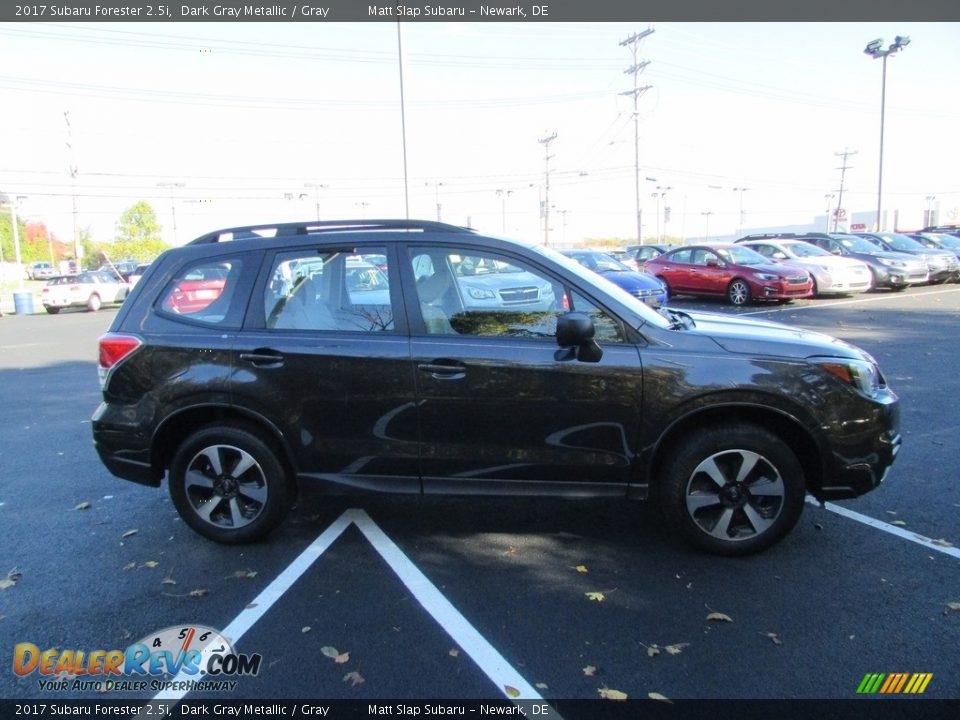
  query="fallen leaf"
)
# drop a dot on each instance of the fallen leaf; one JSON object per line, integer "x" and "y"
{"x": 150, "y": 564}
{"x": 539, "y": 686}
{"x": 354, "y": 678}
{"x": 511, "y": 691}
{"x": 953, "y": 605}
{"x": 129, "y": 533}
{"x": 653, "y": 650}
{"x": 581, "y": 569}
{"x": 11, "y": 579}
{"x": 899, "y": 523}
{"x": 249, "y": 606}
{"x": 305, "y": 629}
{"x": 611, "y": 694}
{"x": 658, "y": 696}
{"x": 774, "y": 637}
{"x": 129, "y": 566}
{"x": 943, "y": 543}
{"x": 199, "y": 593}
{"x": 338, "y": 657}
{"x": 590, "y": 671}
{"x": 241, "y": 574}
{"x": 83, "y": 506}
{"x": 719, "y": 617}
{"x": 676, "y": 648}
{"x": 454, "y": 652}
{"x": 598, "y": 596}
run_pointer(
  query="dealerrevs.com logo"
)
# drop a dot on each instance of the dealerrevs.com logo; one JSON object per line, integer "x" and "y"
{"x": 200, "y": 657}
{"x": 894, "y": 683}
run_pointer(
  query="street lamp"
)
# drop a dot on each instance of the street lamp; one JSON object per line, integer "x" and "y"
{"x": 706, "y": 229}
{"x": 875, "y": 50}
{"x": 659, "y": 196}
{"x": 829, "y": 200}
{"x": 930, "y": 199}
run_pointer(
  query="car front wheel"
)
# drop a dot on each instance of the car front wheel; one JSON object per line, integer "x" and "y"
{"x": 738, "y": 292}
{"x": 228, "y": 484}
{"x": 732, "y": 491}
{"x": 93, "y": 304}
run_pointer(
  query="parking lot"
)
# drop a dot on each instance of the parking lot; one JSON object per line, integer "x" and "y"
{"x": 400, "y": 597}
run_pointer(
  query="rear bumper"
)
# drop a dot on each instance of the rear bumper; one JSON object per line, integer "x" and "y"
{"x": 123, "y": 451}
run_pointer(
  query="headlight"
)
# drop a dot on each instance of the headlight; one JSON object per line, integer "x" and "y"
{"x": 862, "y": 375}
{"x": 766, "y": 277}
{"x": 892, "y": 263}
{"x": 481, "y": 294}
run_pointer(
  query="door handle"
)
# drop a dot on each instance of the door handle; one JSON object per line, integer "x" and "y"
{"x": 262, "y": 358}
{"x": 444, "y": 370}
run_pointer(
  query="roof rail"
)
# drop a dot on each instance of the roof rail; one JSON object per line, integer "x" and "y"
{"x": 311, "y": 227}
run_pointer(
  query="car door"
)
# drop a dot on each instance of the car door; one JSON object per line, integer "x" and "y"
{"x": 500, "y": 407}
{"x": 324, "y": 350}
{"x": 709, "y": 272}
{"x": 675, "y": 268}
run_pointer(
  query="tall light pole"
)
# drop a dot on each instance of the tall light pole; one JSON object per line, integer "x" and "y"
{"x": 706, "y": 229}
{"x": 16, "y": 236}
{"x": 828, "y": 198}
{"x": 740, "y": 190}
{"x": 875, "y": 50}
{"x": 662, "y": 193}
{"x": 503, "y": 194}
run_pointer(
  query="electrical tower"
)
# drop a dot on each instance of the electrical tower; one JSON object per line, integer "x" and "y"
{"x": 843, "y": 172}
{"x": 545, "y": 141}
{"x": 633, "y": 42}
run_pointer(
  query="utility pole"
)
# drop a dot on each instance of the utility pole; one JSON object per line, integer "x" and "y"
{"x": 317, "y": 187}
{"x": 77, "y": 249}
{"x": 173, "y": 207}
{"x": 545, "y": 141}
{"x": 829, "y": 199}
{"x": 741, "y": 190}
{"x": 633, "y": 42}
{"x": 436, "y": 188}
{"x": 843, "y": 173}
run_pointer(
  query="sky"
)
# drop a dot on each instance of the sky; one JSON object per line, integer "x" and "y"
{"x": 222, "y": 124}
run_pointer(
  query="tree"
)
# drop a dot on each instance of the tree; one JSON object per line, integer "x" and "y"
{"x": 138, "y": 234}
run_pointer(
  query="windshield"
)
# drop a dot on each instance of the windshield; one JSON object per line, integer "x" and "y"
{"x": 947, "y": 241}
{"x": 902, "y": 242}
{"x": 858, "y": 244}
{"x": 601, "y": 262}
{"x": 805, "y": 249}
{"x": 592, "y": 279}
{"x": 739, "y": 255}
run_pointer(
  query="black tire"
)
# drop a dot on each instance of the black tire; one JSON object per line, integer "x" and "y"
{"x": 53, "y": 310}
{"x": 665, "y": 285}
{"x": 738, "y": 292}
{"x": 219, "y": 503}
{"x": 94, "y": 303}
{"x": 735, "y": 518}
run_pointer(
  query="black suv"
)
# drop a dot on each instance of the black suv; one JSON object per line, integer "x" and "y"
{"x": 418, "y": 357}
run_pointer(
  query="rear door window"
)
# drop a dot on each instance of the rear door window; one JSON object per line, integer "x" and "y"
{"x": 203, "y": 291}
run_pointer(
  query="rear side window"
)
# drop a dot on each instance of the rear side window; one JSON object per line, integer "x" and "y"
{"x": 329, "y": 290}
{"x": 202, "y": 291}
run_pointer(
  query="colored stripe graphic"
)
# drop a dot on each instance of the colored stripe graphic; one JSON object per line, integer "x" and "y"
{"x": 894, "y": 683}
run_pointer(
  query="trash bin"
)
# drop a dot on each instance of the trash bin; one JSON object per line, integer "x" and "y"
{"x": 23, "y": 303}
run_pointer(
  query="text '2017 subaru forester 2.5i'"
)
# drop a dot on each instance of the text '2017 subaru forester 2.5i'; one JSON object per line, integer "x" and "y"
{"x": 465, "y": 364}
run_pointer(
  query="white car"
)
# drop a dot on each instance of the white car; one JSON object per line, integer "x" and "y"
{"x": 89, "y": 290}
{"x": 832, "y": 275}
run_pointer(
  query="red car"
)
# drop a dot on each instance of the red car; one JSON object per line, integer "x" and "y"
{"x": 732, "y": 271}
{"x": 197, "y": 290}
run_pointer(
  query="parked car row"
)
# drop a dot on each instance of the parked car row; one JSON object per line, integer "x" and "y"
{"x": 90, "y": 289}
{"x": 786, "y": 266}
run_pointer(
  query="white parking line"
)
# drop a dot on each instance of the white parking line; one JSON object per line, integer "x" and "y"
{"x": 888, "y": 528}
{"x": 509, "y": 682}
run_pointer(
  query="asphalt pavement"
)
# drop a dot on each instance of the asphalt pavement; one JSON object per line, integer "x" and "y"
{"x": 382, "y": 597}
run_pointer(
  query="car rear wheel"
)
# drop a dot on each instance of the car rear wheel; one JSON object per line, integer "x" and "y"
{"x": 738, "y": 292}
{"x": 93, "y": 304}
{"x": 228, "y": 484}
{"x": 732, "y": 491}
{"x": 53, "y": 310}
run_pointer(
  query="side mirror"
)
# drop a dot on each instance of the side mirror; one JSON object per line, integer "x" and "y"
{"x": 575, "y": 333}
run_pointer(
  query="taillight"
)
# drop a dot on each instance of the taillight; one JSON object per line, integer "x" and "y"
{"x": 114, "y": 347}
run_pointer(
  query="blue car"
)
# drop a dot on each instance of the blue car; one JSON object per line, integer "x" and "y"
{"x": 639, "y": 284}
